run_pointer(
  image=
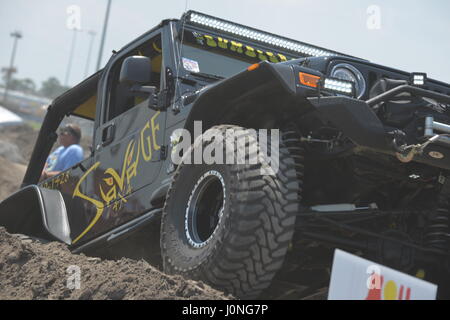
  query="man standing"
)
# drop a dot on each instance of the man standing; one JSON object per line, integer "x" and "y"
{"x": 67, "y": 155}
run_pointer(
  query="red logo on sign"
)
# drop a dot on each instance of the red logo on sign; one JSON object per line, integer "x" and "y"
{"x": 378, "y": 290}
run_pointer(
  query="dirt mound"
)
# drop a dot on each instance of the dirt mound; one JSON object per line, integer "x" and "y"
{"x": 33, "y": 270}
{"x": 16, "y": 146}
{"x": 11, "y": 175}
{"x": 23, "y": 136}
{"x": 11, "y": 152}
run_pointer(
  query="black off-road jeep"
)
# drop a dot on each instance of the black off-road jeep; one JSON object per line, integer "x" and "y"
{"x": 363, "y": 157}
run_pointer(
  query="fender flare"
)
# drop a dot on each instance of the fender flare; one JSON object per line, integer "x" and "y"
{"x": 210, "y": 102}
{"x": 37, "y": 212}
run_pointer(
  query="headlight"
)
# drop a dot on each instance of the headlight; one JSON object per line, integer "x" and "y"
{"x": 348, "y": 72}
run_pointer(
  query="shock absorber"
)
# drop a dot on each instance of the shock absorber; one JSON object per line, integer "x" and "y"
{"x": 437, "y": 233}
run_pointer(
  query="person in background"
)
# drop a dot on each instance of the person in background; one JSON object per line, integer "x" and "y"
{"x": 67, "y": 155}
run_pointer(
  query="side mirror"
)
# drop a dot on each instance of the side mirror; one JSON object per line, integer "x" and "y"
{"x": 136, "y": 70}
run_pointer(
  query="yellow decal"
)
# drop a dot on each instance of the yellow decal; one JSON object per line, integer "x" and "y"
{"x": 239, "y": 48}
{"x": 115, "y": 176}
{"x": 147, "y": 142}
{"x": 131, "y": 169}
{"x": 109, "y": 196}
{"x": 272, "y": 58}
{"x": 249, "y": 51}
{"x": 236, "y": 46}
{"x": 210, "y": 41}
{"x": 261, "y": 55}
{"x": 118, "y": 187}
{"x": 282, "y": 57}
{"x": 146, "y": 154}
{"x": 129, "y": 159}
{"x": 120, "y": 184}
{"x": 57, "y": 181}
{"x": 96, "y": 203}
{"x": 109, "y": 181}
{"x": 223, "y": 43}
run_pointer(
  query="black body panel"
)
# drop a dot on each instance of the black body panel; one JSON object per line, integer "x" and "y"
{"x": 38, "y": 212}
{"x": 354, "y": 118}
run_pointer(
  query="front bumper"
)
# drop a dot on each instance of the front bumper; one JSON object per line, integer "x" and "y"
{"x": 357, "y": 120}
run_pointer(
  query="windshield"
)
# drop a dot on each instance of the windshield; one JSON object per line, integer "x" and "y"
{"x": 221, "y": 57}
{"x": 199, "y": 60}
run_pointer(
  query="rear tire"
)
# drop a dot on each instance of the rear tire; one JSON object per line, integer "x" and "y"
{"x": 228, "y": 224}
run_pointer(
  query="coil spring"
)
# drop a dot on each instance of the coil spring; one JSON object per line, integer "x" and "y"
{"x": 291, "y": 138}
{"x": 438, "y": 229}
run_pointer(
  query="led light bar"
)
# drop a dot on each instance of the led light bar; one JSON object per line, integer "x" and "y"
{"x": 339, "y": 86}
{"x": 418, "y": 79}
{"x": 253, "y": 34}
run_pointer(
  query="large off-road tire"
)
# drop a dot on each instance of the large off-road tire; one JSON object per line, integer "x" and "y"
{"x": 229, "y": 225}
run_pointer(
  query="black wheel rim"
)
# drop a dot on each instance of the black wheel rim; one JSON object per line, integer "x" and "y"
{"x": 205, "y": 209}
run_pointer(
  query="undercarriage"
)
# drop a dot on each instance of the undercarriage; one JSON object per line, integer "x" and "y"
{"x": 381, "y": 206}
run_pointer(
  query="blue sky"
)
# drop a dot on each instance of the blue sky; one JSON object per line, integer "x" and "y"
{"x": 413, "y": 35}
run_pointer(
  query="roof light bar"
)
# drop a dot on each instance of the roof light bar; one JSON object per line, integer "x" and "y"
{"x": 250, "y": 33}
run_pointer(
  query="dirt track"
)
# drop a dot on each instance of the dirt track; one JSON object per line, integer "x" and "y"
{"x": 32, "y": 270}
{"x": 16, "y": 145}
{"x": 11, "y": 175}
{"x": 23, "y": 136}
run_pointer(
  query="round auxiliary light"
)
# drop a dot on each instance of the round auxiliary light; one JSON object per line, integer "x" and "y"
{"x": 348, "y": 72}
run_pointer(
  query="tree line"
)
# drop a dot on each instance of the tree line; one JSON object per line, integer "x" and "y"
{"x": 50, "y": 88}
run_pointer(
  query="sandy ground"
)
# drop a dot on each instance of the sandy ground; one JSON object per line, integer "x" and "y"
{"x": 11, "y": 175}
{"x": 23, "y": 136}
{"x": 16, "y": 145}
{"x": 33, "y": 270}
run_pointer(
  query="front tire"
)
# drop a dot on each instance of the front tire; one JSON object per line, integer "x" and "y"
{"x": 228, "y": 224}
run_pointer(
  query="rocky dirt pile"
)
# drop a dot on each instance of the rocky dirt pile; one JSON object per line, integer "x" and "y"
{"x": 23, "y": 137}
{"x": 16, "y": 145}
{"x": 11, "y": 175}
{"x": 33, "y": 270}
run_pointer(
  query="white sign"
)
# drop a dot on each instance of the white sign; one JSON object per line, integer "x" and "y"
{"x": 374, "y": 17}
{"x": 8, "y": 117}
{"x": 355, "y": 278}
{"x": 74, "y": 17}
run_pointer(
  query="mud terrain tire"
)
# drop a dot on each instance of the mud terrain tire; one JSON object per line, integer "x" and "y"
{"x": 251, "y": 220}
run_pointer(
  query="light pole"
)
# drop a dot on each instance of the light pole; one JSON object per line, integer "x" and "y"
{"x": 16, "y": 35}
{"x": 72, "y": 49}
{"x": 88, "y": 61}
{"x": 102, "y": 42}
